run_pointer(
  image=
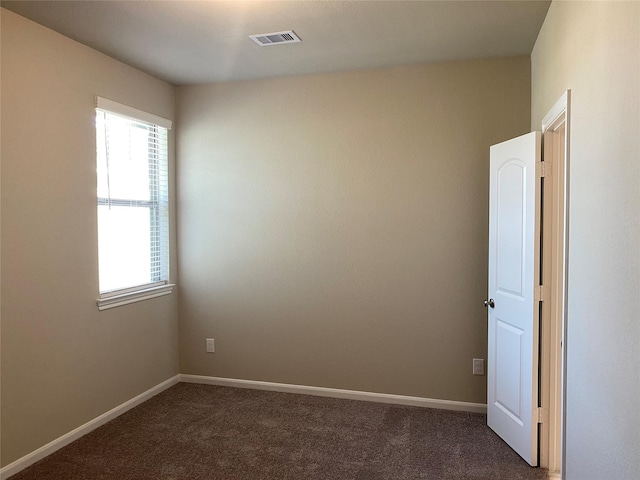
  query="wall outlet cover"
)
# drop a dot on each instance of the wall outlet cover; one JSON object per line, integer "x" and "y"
{"x": 478, "y": 366}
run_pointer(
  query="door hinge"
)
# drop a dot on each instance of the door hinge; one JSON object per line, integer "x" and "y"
{"x": 543, "y": 169}
{"x": 540, "y": 293}
{"x": 543, "y": 415}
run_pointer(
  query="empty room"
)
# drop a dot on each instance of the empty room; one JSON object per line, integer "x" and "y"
{"x": 354, "y": 240}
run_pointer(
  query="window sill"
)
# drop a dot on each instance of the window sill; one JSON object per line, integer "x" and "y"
{"x": 118, "y": 300}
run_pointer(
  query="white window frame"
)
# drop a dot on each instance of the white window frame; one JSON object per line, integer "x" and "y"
{"x": 125, "y": 296}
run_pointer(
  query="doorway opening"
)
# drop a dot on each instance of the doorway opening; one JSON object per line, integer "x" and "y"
{"x": 528, "y": 238}
{"x": 553, "y": 268}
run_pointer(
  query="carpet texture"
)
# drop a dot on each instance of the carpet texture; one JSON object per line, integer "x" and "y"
{"x": 218, "y": 433}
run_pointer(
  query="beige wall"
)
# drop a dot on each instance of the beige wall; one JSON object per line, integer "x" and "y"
{"x": 333, "y": 228}
{"x": 63, "y": 362}
{"x": 594, "y": 49}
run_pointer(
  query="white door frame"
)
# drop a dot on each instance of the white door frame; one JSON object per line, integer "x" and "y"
{"x": 555, "y": 134}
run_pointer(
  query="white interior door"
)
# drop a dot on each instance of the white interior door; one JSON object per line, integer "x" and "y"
{"x": 512, "y": 374}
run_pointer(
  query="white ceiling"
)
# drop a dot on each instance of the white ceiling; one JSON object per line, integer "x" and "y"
{"x": 187, "y": 42}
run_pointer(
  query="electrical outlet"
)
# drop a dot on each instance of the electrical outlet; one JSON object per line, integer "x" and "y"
{"x": 211, "y": 345}
{"x": 478, "y": 366}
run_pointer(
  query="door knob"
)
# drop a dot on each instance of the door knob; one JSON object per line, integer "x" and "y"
{"x": 489, "y": 303}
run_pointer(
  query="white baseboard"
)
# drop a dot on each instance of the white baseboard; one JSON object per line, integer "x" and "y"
{"x": 338, "y": 393}
{"x": 554, "y": 476}
{"x": 82, "y": 430}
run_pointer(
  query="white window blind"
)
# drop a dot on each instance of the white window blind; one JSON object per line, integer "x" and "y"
{"x": 133, "y": 207}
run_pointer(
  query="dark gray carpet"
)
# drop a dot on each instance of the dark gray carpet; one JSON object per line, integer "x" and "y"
{"x": 218, "y": 433}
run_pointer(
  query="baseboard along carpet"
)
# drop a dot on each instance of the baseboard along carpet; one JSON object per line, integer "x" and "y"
{"x": 200, "y": 432}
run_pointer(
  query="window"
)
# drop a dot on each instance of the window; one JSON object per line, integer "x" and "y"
{"x": 133, "y": 207}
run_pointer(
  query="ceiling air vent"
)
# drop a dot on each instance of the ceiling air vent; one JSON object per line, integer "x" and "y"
{"x": 276, "y": 38}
